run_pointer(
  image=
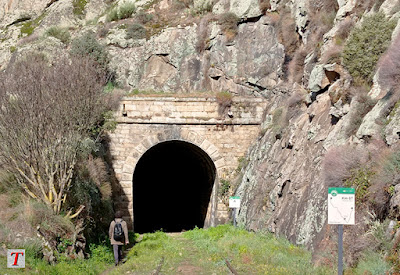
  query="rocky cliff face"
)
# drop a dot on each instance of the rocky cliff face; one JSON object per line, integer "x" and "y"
{"x": 281, "y": 50}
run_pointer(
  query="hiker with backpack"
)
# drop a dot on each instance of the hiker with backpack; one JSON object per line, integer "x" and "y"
{"x": 118, "y": 233}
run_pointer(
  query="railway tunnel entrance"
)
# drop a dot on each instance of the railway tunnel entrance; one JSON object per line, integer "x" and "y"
{"x": 172, "y": 186}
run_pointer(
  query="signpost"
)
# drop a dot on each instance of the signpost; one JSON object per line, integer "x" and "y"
{"x": 341, "y": 210}
{"x": 234, "y": 202}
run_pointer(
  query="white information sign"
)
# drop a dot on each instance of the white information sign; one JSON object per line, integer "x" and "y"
{"x": 234, "y": 202}
{"x": 341, "y": 206}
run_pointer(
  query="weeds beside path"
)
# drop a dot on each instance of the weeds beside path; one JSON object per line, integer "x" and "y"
{"x": 206, "y": 252}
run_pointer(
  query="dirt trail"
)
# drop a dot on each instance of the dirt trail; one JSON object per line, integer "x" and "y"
{"x": 185, "y": 267}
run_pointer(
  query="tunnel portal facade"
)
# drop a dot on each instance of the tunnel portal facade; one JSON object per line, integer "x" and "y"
{"x": 169, "y": 156}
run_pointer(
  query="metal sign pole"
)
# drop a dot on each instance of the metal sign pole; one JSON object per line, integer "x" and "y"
{"x": 234, "y": 217}
{"x": 340, "y": 250}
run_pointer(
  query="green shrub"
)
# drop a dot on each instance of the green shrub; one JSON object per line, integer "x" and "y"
{"x": 87, "y": 45}
{"x": 372, "y": 263}
{"x": 79, "y": 6}
{"x": 365, "y": 45}
{"x": 126, "y": 10}
{"x": 101, "y": 253}
{"x": 201, "y": 9}
{"x": 225, "y": 185}
{"x": 360, "y": 180}
{"x": 113, "y": 15}
{"x": 60, "y": 33}
{"x": 136, "y": 31}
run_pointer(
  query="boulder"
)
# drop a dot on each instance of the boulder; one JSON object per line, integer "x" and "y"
{"x": 345, "y": 9}
{"x": 369, "y": 127}
{"x": 245, "y": 8}
{"x": 170, "y": 60}
{"x": 392, "y": 129}
{"x": 12, "y": 11}
{"x": 324, "y": 75}
{"x": 388, "y": 6}
{"x": 301, "y": 18}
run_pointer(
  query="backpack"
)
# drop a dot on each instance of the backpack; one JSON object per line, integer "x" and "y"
{"x": 118, "y": 232}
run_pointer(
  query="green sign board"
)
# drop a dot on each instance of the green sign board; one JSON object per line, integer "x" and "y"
{"x": 341, "y": 190}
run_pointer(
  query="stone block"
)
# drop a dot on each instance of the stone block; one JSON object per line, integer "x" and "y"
{"x": 205, "y": 145}
{"x": 125, "y": 184}
{"x": 141, "y": 149}
{"x": 127, "y": 192}
{"x": 126, "y": 176}
{"x": 220, "y": 163}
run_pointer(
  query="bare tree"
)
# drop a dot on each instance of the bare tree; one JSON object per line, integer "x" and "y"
{"x": 46, "y": 111}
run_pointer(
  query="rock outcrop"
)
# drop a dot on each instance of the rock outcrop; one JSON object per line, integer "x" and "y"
{"x": 282, "y": 187}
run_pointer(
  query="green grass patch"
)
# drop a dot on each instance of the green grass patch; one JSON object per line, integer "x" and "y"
{"x": 251, "y": 253}
{"x": 60, "y": 33}
{"x": 145, "y": 256}
{"x": 205, "y": 251}
{"x": 101, "y": 259}
{"x": 372, "y": 263}
{"x": 79, "y": 6}
{"x": 28, "y": 27}
{"x": 124, "y": 11}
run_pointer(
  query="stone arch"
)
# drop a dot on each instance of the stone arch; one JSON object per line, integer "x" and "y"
{"x": 190, "y": 137}
{"x": 186, "y": 136}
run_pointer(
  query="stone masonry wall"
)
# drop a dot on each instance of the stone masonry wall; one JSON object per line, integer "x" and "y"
{"x": 146, "y": 121}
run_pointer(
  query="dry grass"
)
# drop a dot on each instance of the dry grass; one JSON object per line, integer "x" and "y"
{"x": 367, "y": 5}
{"x": 332, "y": 55}
{"x": 102, "y": 31}
{"x": 229, "y": 24}
{"x": 324, "y": 5}
{"x": 99, "y": 174}
{"x": 296, "y": 65}
{"x": 264, "y": 5}
{"x": 344, "y": 29}
{"x": 389, "y": 66}
{"x": 322, "y": 14}
{"x": 294, "y": 103}
{"x": 274, "y": 18}
{"x": 287, "y": 36}
{"x": 338, "y": 163}
{"x": 203, "y": 33}
{"x": 28, "y": 39}
{"x": 224, "y": 100}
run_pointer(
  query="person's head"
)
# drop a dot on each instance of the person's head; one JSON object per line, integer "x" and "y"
{"x": 118, "y": 214}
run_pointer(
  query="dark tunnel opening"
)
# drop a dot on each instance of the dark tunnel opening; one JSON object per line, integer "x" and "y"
{"x": 172, "y": 186}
